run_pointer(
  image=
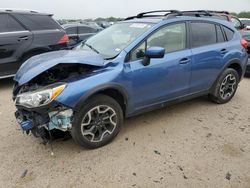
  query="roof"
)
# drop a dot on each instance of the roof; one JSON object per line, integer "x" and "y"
{"x": 75, "y": 24}
{"x": 19, "y": 11}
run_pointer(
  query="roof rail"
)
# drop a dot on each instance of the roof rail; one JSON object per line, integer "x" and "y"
{"x": 173, "y": 13}
{"x": 144, "y": 14}
{"x": 217, "y": 11}
{"x": 196, "y": 12}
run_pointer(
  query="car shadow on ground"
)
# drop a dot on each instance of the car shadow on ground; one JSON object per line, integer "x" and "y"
{"x": 134, "y": 123}
{"x": 6, "y": 83}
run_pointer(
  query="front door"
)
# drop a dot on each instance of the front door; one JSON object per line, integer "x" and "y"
{"x": 166, "y": 78}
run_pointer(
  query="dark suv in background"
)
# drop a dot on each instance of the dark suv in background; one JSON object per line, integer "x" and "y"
{"x": 79, "y": 32}
{"x": 24, "y": 34}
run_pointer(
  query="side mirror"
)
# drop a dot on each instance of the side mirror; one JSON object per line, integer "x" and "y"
{"x": 153, "y": 52}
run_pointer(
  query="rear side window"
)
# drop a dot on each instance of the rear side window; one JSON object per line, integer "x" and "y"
{"x": 220, "y": 37}
{"x": 229, "y": 33}
{"x": 202, "y": 34}
{"x": 38, "y": 22}
{"x": 9, "y": 24}
{"x": 83, "y": 30}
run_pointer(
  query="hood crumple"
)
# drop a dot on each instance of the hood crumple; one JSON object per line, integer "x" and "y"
{"x": 41, "y": 63}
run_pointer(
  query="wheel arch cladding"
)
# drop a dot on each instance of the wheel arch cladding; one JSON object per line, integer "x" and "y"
{"x": 236, "y": 66}
{"x": 114, "y": 91}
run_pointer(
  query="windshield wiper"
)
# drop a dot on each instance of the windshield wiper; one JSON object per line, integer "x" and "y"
{"x": 92, "y": 48}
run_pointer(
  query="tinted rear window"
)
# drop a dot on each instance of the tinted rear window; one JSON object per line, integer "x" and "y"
{"x": 220, "y": 37}
{"x": 203, "y": 34}
{"x": 9, "y": 24}
{"x": 229, "y": 33}
{"x": 38, "y": 22}
{"x": 83, "y": 29}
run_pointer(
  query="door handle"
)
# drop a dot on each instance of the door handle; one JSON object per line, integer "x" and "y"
{"x": 223, "y": 51}
{"x": 23, "y": 38}
{"x": 184, "y": 60}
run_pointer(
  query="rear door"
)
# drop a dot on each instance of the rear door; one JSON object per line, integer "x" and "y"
{"x": 46, "y": 31}
{"x": 208, "y": 49}
{"x": 14, "y": 39}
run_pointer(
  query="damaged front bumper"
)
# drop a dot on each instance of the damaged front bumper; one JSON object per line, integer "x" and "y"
{"x": 41, "y": 122}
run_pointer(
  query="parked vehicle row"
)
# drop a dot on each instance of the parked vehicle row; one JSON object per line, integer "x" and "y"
{"x": 145, "y": 62}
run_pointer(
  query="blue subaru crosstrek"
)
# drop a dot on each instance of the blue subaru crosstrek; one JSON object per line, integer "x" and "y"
{"x": 145, "y": 62}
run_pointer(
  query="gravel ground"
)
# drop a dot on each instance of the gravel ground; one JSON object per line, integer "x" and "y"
{"x": 192, "y": 144}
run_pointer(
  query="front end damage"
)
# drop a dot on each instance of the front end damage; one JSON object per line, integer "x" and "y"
{"x": 38, "y": 112}
{"x": 48, "y": 125}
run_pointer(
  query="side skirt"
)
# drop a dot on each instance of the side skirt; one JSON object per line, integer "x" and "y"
{"x": 168, "y": 103}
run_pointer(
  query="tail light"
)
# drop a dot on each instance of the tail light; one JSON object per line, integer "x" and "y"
{"x": 244, "y": 43}
{"x": 64, "y": 39}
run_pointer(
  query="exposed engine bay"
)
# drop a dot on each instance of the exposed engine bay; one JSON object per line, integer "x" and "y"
{"x": 54, "y": 120}
{"x": 61, "y": 72}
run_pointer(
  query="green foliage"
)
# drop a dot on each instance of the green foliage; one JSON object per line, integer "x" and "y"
{"x": 243, "y": 14}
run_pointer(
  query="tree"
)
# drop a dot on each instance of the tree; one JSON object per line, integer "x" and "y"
{"x": 244, "y": 15}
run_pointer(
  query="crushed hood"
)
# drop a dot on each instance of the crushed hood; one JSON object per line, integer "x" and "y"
{"x": 41, "y": 63}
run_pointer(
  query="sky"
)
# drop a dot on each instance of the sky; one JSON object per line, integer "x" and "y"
{"x": 82, "y": 9}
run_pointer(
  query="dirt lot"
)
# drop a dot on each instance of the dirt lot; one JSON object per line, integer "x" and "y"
{"x": 193, "y": 144}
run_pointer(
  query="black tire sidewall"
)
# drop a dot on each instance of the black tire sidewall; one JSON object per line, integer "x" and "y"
{"x": 89, "y": 104}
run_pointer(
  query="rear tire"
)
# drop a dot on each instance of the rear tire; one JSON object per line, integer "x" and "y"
{"x": 226, "y": 86}
{"x": 98, "y": 122}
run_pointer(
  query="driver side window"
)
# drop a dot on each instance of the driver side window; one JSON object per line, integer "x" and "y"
{"x": 172, "y": 38}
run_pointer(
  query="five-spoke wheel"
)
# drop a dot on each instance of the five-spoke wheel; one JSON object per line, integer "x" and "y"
{"x": 98, "y": 122}
{"x": 225, "y": 87}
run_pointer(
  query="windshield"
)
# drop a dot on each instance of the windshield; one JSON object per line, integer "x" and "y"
{"x": 111, "y": 41}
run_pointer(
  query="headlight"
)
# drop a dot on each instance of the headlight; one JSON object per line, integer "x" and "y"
{"x": 40, "y": 97}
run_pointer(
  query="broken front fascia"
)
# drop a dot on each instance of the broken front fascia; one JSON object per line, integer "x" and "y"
{"x": 38, "y": 109}
{"x": 59, "y": 118}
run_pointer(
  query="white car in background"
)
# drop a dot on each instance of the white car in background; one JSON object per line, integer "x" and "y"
{"x": 246, "y": 22}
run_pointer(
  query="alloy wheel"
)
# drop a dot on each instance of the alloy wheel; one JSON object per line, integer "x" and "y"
{"x": 227, "y": 87}
{"x": 98, "y": 123}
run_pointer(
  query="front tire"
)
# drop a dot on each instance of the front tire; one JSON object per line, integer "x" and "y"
{"x": 98, "y": 122}
{"x": 226, "y": 86}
